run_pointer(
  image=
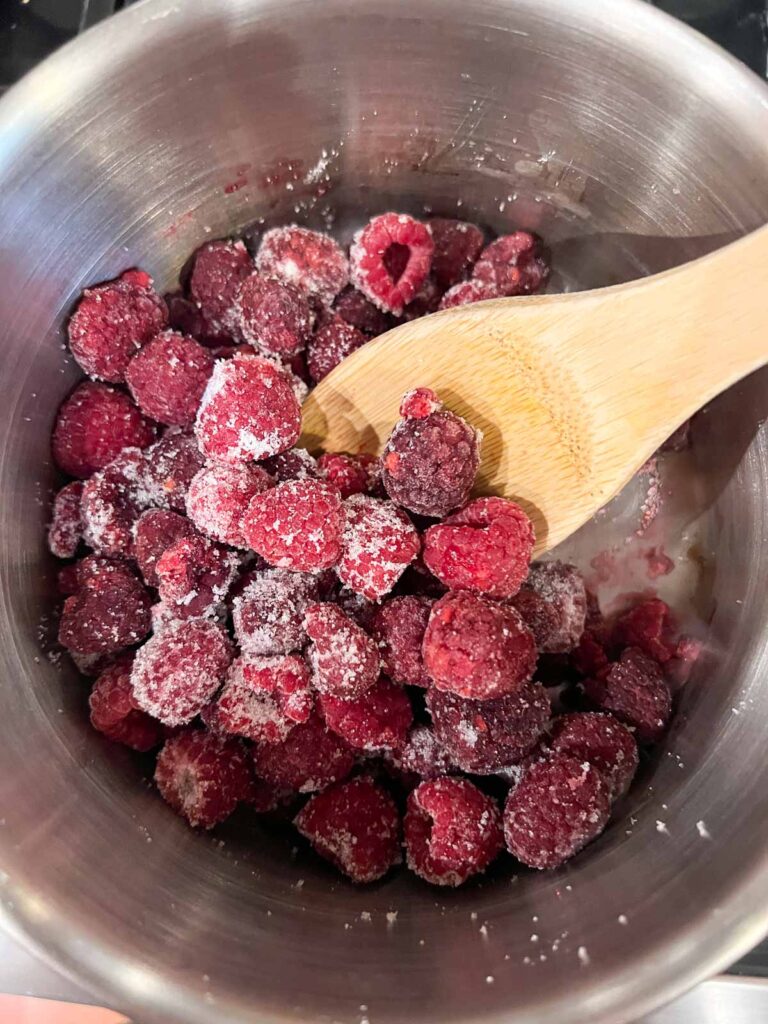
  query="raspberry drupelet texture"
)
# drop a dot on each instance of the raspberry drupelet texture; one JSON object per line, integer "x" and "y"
{"x": 398, "y": 627}
{"x": 155, "y": 531}
{"x": 457, "y": 246}
{"x": 635, "y": 691}
{"x": 466, "y": 292}
{"x": 218, "y": 496}
{"x": 452, "y": 831}
{"x": 268, "y": 614}
{"x": 202, "y": 776}
{"x": 171, "y": 464}
{"x": 558, "y": 807}
{"x": 379, "y": 541}
{"x": 249, "y": 411}
{"x": 112, "y": 501}
{"x": 553, "y": 604}
{"x": 601, "y": 740}
{"x": 345, "y": 661}
{"x": 218, "y": 269}
{"x": 112, "y": 322}
{"x": 350, "y": 474}
{"x": 273, "y": 316}
{"x": 194, "y": 576}
{"x": 515, "y": 264}
{"x": 379, "y": 720}
{"x": 476, "y": 648}
{"x": 332, "y": 342}
{"x": 308, "y": 260}
{"x": 168, "y": 376}
{"x": 109, "y": 611}
{"x": 309, "y": 759}
{"x": 485, "y": 548}
{"x": 423, "y": 754}
{"x": 356, "y": 826}
{"x": 66, "y": 527}
{"x": 390, "y": 259}
{"x": 295, "y": 464}
{"x": 648, "y": 626}
{"x": 263, "y": 698}
{"x": 358, "y": 311}
{"x": 297, "y": 525}
{"x": 115, "y": 713}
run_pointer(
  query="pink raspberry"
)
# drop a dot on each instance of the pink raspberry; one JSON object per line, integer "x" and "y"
{"x": 399, "y": 625}
{"x": 218, "y": 496}
{"x": 177, "y": 671}
{"x": 168, "y": 376}
{"x": 295, "y": 464}
{"x": 110, "y": 611}
{"x": 457, "y": 246}
{"x": 350, "y": 474}
{"x": 424, "y": 755}
{"x": 483, "y": 736}
{"x": 515, "y": 264}
{"x": 268, "y": 614}
{"x": 477, "y": 649}
{"x": 603, "y": 742}
{"x": 273, "y": 316}
{"x": 194, "y": 575}
{"x": 390, "y": 258}
{"x": 557, "y": 808}
{"x": 354, "y": 825}
{"x": 115, "y": 713}
{"x": 309, "y": 759}
{"x": 93, "y": 426}
{"x": 217, "y": 271}
{"x": 485, "y": 548}
{"x": 308, "y": 260}
{"x": 202, "y": 776}
{"x": 171, "y": 464}
{"x": 248, "y": 411}
{"x": 66, "y": 527}
{"x": 353, "y": 307}
{"x": 263, "y": 698}
{"x": 296, "y": 525}
{"x": 112, "y": 322}
{"x": 648, "y": 626}
{"x": 419, "y": 403}
{"x": 379, "y": 720}
{"x": 344, "y": 659}
{"x": 452, "y": 831}
{"x": 379, "y": 541}
{"x": 112, "y": 501}
{"x": 466, "y": 292}
{"x": 635, "y": 691}
{"x": 156, "y": 530}
{"x": 330, "y": 344}
{"x": 553, "y": 604}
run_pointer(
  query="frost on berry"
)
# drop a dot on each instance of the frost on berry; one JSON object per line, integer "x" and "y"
{"x": 635, "y": 691}
{"x": 263, "y": 698}
{"x": 308, "y": 760}
{"x": 296, "y": 525}
{"x": 378, "y": 543}
{"x": 168, "y": 376}
{"x": 485, "y": 548}
{"x": 419, "y": 403}
{"x": 332, "y": 342}
{"x": 601, "y": 740}
{"x": 344, "y": 659}
{"x": 295, "y": 464}
{"x": 155, "y": 531}
{"x": 648, "y": 626}
{"x": 65, "y": 530}
{"x": 358, "y": 311}
{"x": 268, "y": 614}
{"x": 379, "y": 720}
{"x": 515, "y": 264}
{"x": 171, "y": 463}
{"x": 399, "y": 625}
{"x": 452, "y": 831}
{"x": 457, "y": 246}
{"x": 178, "y": 671}
{"x": 390, "y": 259}
{"x": 109, "y": 611}
{"x": 553, "y": 604}
{"x": 273, "y": 316}
{"x": 308, "y": 260}
{"x": 558, "y": 807}
{"x": 466, "y": 292}
{"x": 194, "y": 575}
{"x": 115, "y": 713}
{"x": 424, "y": 755}
{"x": 218, "y": 496}
{"x": 112, "y": 501}
{"x": 217, "y": 271}
{"x": 350, "y": 474}
{"x": 476, "y": 648}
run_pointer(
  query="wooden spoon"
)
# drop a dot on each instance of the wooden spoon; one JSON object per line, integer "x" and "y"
{"x": 573, "y": 392}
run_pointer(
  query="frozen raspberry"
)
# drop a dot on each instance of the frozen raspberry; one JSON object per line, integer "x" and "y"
{"x": 177, "y": 672}
{"x": 217, "y": 271}
{"x": 425, "y": 301}
{"x": 399, "y": 625}
{"x": 110, "y": 611}
{"x": 635, "y": 691}
{"x": 482, "y": 736}
{"x": 273, "y": 316}
{"x": 424, "y": 755}
{"x": 296, "y": 525}
{"x": 168, "y": 376}
{"x": 155, "y": 531}
{"x": 553, "y": 604}
{"x": 457, "y": 246}
{"x": 485, "y": 548}
{"x": 202, "y": 776}
{"x": 171, "y": 464}
{"x": 515, "y": 264}
{"x": 558, "y": 807}
{"x": 353, "y": 307}
{"x": 263, "y": 698}
{"x": 93, "y": 571}
{"x": 295, "y": 464}
{"x": 647, "y": 626}
{"x": 354, "y": 605}
{"x": 308, "y": 260}
{"x": 390, "y": 258}
{"x": 354, "y": 825}
{"x": 419, "y": 403}
{"x": 115, "y": 713}
{"x": 345, "y": 661}
{"x": 429, "y": 464}
{"x": 112, "y": 322}
{"x": 466, "y": 292}
{"x": 309, "y": 759}
{"x": 218, "y": 496}
{"x": 350, "y": 474}
{"x": 93, "y": 426}
{"x": 477, "y": 649}
{"x": 186, "y": 318}
{"x": 195, "y": 575}
{"x": 589, "y": 656}
{"x": 379, "y": 541}
{"x": 66, "y": 528}
{"x": 601, "y": 740}
{"x": 263, "y": 797}
{"x": 112, "y": 501}
{"x": 330, "y": 344}
{"x": 268, "y": 614}
{"x": 248, "y": 411}
{"x": 379, "y": 720}
{"x": 452, "y": 831}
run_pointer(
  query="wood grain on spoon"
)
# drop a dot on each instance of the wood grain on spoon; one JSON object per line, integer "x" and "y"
{"x": 573, "y": 392}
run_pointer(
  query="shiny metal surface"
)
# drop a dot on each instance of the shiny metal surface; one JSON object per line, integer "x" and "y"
{"x": 631, "y": 144}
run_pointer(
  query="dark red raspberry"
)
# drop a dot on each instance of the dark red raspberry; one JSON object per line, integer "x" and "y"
{"x": 557, "y": 808}
{"x": 648, "y": 626}
{"x": 202, "y": 776}
{"x": 353, "y": 307}
{"x": 466, "y": 292}
{"x": 419, "y": 403}
{"x": 168, "y": 376}
{"x": 330, "y": 344}
{"x": 112, "y": 322}
{"x": 590, "y": 655}
{"x": 273, "y": 316}
{"x": 601, "y": 740}
{"x": 424, "y": 755}
{"x": 194, "y": 575}
{"x": 93, "y": 571}
{"x": 635, "y": 691}
{"x": 263, "y": 797}
{"x": 452, "y": 831}
{"x": 110, "y": 611}
{"x": 112, "y": 501}
{"x": 171, "y": 464}
{"x": 93, "y": 426}
{"x": 263, "y": 698}
{"x": 457, "y": 246}
{"x": 354, "y": 825}
{"x": 296, "y": 525}
{"x": 477, "y": 649}
{"x": 115, "y": 713}
{"x": 66, "y": 527}
{"x": 309, "y": 759}
{"x": 249, "y": 411}
{"x": 379, "y": 541}
{"x": 217, "y": 271}
{"x": 354, "y": 605}
{"x": 295, "y": 464}
{"x": 185, "y": 317}
{"x": 268, "y": 614}
{"x": 379, "y": 720}
{"x": 429, "y": 463}
{"x": 350, "y": 474}
{"x": 482, "y": 736}
{"x": 308, "y": 260}
{"x": 345, "y": 661}
{"x": 218, "y": 496}
{"x": 515, "y": 264}
{"x": 155, "y": 531}
{"x": 485, "y": 548}
{"x": 425, "y": 301}
{"x": 399, "y": 625}
{"x": 390, "y": 258}
{"x": 553, "y": 604}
